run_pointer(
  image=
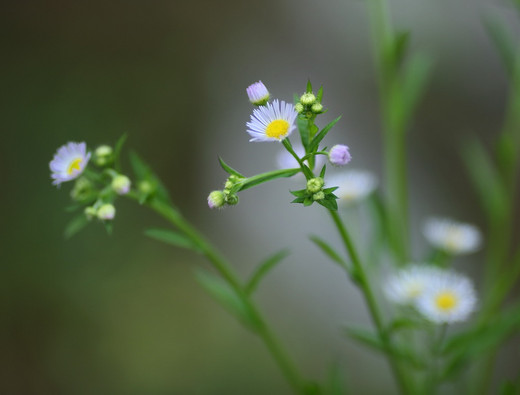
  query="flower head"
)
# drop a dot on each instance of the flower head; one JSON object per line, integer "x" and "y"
{"x": 307, "y": 99}
{"x": 216, "y": 199}
{"x": 339, "y": 155}
{"x": 354, "y": 185}
{"x": 452, "y": 237}
{"x": 103, "y": 155}
{"x": 69, "y": 162}
{"x": 449, "y": 297}
{"x": 258, "y": 93}
{"x": 408, "y": 284}
{"x": 272, "y": 122}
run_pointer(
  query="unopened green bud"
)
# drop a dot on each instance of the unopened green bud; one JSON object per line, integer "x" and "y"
{"x": 106, "y": 212}
{"x": 145, "y": 187}
{"x": 103, "y": 155}
{"x": 307, "y": 99}
{"x": 299, "y": 108}
{"x": 315, "y": 184}
{"x": 228, "y": 184}
{"x": 121, "y": 184}
{"x": 216, "y": 199}
{"x": 318, "y": 196}
{"x": 317, "y": 108}
{"x": 232, "y": 199}
{"x": 90, "y": 212}
{"x": 81, "y": 190}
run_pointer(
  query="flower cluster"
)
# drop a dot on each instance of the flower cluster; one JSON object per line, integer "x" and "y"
{"x": 95, "y": 190}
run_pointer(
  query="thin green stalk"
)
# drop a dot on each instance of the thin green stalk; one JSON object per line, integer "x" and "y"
{"x": 221, "y": 265}
{"x": 364, "y": 284}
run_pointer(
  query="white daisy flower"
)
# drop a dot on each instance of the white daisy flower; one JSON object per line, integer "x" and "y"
{"x": 452, "y": 237}
{"x": 448, "y": 297}
{"x": 405, "y": 286}
{"x": 272, "y": 122}
{"x": 69, "y": 162}
{"x": 354, "y": 185}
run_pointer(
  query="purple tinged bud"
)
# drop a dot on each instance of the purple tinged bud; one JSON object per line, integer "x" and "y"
{"x": 339, "y": 155}
{"x": 258, "y": 93}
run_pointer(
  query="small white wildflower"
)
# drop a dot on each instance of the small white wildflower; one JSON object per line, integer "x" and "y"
{"x": 448, "y": 297}
{"x": 69, "y": 162}
{"x": 452, "y": 237}
{"x": 406, "y": 285}
{"x": 354, "y": 185}
{"x": 272, "y": 122}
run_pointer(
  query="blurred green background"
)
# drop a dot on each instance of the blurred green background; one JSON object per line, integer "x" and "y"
{"x": 121, "y": 314}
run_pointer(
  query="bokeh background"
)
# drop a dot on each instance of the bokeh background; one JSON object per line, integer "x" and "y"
{"x": 122, "y": 314}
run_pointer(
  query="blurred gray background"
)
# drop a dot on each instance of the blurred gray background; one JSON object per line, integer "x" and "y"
{"x": 122, "y": 314}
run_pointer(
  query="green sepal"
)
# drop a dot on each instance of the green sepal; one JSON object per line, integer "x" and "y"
{"x": 309, "y": 86}
{"x": 263, "y": 268}
{"x": 173, "y": 238}
{"x": 75, "y": 225}
{"x": 328, "y": 250}
{"x": 117, "y": 152}
{"x": 228, "y": 169}
{"x": 313, "y": 146}
{"x": 221, "y": 292}
{"x": 322, "y": 172}
{"x": 319, "y": 95}
{"x": 308, "y": 201}
{"x": 299, "y": 200}
{"x": 299, "y": 193}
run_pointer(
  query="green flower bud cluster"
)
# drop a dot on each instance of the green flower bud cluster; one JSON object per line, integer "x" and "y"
{"x": 228, "y": 195}
{"x": 315, "y": 192}
{"x": 309, "y": 105}
{"x": 103, "y": 155}
{"x": 102, "y": 211}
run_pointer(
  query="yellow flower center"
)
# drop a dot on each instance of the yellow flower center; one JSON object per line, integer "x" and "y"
{"x": 414, "y": 291}
{"x": 74, "y": 165}
{"x": 446, "y": 300}
{"x": 454, "y": 240}
{"x": 277, "y": 129}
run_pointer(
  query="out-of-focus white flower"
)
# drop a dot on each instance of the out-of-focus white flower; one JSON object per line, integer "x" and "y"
{"x": 408, "y": 284}
{"x": 339, "y": 155}
{"x": 258, "y": 93}
{"x": 447, "y": 298}
{"x": 353, "y": 185}
{"x": 272, "y": 122}
{"x": 69, "y": 162}
{"x": 452, "y": 237}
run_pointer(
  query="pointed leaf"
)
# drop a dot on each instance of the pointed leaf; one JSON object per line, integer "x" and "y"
{"x": 225, "y": 296}
{"x": 313, "y": 146}
{"x": 117, "y": 152}
{"x": 303, "y": 128}
{"x": 319, "y": 95}
{"x": 416, "y": 76}
{"x": 263, "y": 269}
{"x": 503, "y": 43}
{"x": 328, "y": 250}
{"x": 330, "y": 204}
{"x": 299, "y": 200}
{"x": 75, "y": 225}
{"x": 173, "y": 238}
{"x": 144, "y": 172}
{"x": 309, "y": 86}
{"x": 228, "y": 169}
{"x": 323, "y": 170}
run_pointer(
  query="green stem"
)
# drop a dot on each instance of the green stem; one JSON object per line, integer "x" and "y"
{"x": 362, "y": 279}
{"x": 221, "y": 265}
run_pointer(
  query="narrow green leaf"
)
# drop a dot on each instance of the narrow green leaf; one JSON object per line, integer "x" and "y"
{"x": 265, "y": 177}
{"x": 401, "y": 42}
{"x": 173, "y": 238}
{"x": 308, "y": 201}
{"x": 503, "y": 43}
{"x": 330, "y": 204}
{"x": 319, "y": 95}
{"x": 303, "y": 128}
{"x": 75, "y": 225}
{"x": 225, "y": 296}
{"x": 328, "y": 250}
{"x": 415, "y": 78}
{"x": 486, "y": 180}
{"x": 117, "y": 151}
{"x": 299, "y": 200}
{"x": 323, "y": 170}
{"x": 335, "y": 381}
{"x": 143, "y": 172}
{"x": 313, "y": 146}
{"x": 228, "y": 169}
{"x": 309, "y": 86}
{"x": 263, "y": 268}
{"x": 299, "y": 193}
{"x": 330, "y": 190}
